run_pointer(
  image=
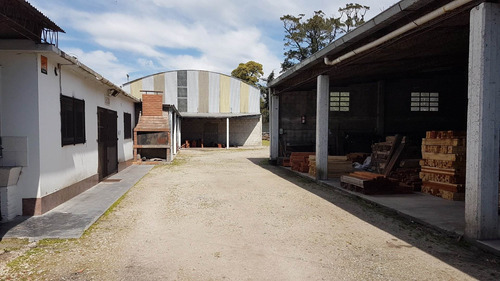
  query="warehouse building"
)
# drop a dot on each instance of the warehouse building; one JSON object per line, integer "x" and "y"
{"x": 216, "y": 109}
{"x": 421, "y": 65}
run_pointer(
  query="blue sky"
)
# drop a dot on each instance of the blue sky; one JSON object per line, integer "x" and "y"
{"x": 142, "y": 37}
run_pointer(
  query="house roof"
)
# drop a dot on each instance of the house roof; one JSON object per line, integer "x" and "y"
{"x": 20, "y": 20}
{"x": 152, "y": 124}
{"x": 441, "y": 43}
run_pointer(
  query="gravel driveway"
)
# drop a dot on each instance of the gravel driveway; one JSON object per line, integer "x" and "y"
{"x": 228, "y": 215}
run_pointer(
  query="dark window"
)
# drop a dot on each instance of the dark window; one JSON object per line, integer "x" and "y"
{"x": 72, "y": 120}
{"x": 182, "y": 90}
{"x": 127, "y": 125}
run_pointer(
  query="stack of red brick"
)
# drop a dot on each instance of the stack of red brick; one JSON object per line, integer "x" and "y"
{"x": 299, "y": 161}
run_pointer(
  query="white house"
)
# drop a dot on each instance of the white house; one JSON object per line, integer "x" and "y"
{"x": 62, "y": 123}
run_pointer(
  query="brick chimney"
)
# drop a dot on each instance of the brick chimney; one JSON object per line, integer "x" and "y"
{"x": 152, "y": 105}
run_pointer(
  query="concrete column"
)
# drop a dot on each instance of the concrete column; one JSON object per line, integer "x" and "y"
{"x": 274, "y": 112}
{"x": 227, "y": 133}
{"x": 323, "y": 92}
{"x": 483, "y": 123}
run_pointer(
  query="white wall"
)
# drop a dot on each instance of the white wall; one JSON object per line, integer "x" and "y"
{"x": 19, "y": 115}
{"x": 61, "y": 166}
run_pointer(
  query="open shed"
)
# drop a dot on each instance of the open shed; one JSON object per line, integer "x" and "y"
{"x": 419, "y": 66}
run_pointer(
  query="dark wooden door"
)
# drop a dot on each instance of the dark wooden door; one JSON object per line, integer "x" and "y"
{"x": 107, "y": 142}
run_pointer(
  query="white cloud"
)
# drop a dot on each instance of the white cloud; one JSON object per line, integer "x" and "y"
{"x": 104, "y": 63}
{"x": 158, "y": 35}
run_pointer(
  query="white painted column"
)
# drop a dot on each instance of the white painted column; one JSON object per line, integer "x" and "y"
{"x": 323, "y": 92}
{"x": 227, "y": 133}
{"x": 174, "y": 133}
{"x": 483, "y": 123}
{"x": 274, "y": 126}
{"x": 179, "y": 136}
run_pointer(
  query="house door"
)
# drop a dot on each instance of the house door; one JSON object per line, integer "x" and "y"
{"x": 107, "y": 142}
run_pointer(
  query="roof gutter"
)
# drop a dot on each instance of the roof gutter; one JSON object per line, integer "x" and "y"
{"x": 414, "y": 24}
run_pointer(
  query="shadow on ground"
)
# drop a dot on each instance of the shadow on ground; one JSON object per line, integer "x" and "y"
{"x": 6, "y": 226}
{"x": 455, "y": 252}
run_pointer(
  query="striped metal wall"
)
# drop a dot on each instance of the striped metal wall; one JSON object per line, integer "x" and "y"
{"x": 207, "y": 92}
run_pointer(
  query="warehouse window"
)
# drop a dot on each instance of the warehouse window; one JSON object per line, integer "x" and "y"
{"x": 72, "y": 120}
{"x": 127, "y": 125}
{"x": 424, "y": 101}
{"x": 182, "y": 90}
{"x": 339, "y": 101}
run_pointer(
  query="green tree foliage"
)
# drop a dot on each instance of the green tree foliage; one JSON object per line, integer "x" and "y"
{"x": 249, "y": 72}
{"x": 304, "y": 37}
{"x": 264, "y": 97}
{"x": 353, "y": 15}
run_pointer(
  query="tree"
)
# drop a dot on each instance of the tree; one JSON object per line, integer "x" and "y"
{"x": 304, "y": 37}
{"x": 249, "y": 72}
{"x": 264, "y": 97}
{"x": 354, "y": 15}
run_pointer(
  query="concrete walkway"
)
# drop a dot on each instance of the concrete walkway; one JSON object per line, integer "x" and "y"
{"x": 71, "y": 219}
{"x": 443, "y": 215}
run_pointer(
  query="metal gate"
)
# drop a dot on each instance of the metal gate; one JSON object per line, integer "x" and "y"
{"x": 107, "y": 142}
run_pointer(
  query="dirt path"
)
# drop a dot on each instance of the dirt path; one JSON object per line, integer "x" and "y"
{"x": 227, "y": 215}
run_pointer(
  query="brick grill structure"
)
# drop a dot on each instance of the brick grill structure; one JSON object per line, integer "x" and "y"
{"x": 152, "y": 133}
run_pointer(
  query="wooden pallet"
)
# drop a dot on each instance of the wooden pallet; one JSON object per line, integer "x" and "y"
{"x": 367, "y": 183}
{"x": 337, "y": 166}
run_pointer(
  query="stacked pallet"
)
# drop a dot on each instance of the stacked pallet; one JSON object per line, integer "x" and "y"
{"x": 367, "y": 183}
{"x": 381, "y": 153}
{"x": 408, "y": 176}
{"x": 443, "y": 164}
{"x": 299, "y": 161}
{"x": 337, "y": 166}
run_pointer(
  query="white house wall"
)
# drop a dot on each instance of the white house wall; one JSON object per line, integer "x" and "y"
{"x": 19, "y": 119}
{"x": 62, "y": 166}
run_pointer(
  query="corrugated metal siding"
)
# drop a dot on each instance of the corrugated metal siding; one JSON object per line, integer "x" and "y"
{"x": 159, "y": 84}
{"x": 148, "y": 83}
{"x": 135, "y": 89}
{"x": 235, "y": 95}
{"x": 192, "y": 91}
{"x": 244, "y": 94}
{"x": 225, "y": 94}
{"x": 171, "y": 88}
{"x": 254, "y": 100}
{"x": 203, "y": 91}
{"x": 213, "y": 92}
{"x": 126, "y": 88}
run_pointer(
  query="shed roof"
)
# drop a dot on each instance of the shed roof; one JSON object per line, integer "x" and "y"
{"x": 20, "y": 20}
{"x": 418, "y": 50}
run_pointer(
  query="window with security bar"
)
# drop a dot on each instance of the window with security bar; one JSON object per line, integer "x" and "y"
{"x": 424, "y": 101}
{"x": 339, "y": 101}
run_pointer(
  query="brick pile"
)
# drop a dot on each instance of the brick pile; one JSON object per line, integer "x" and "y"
{"x": 443, "y": 164}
